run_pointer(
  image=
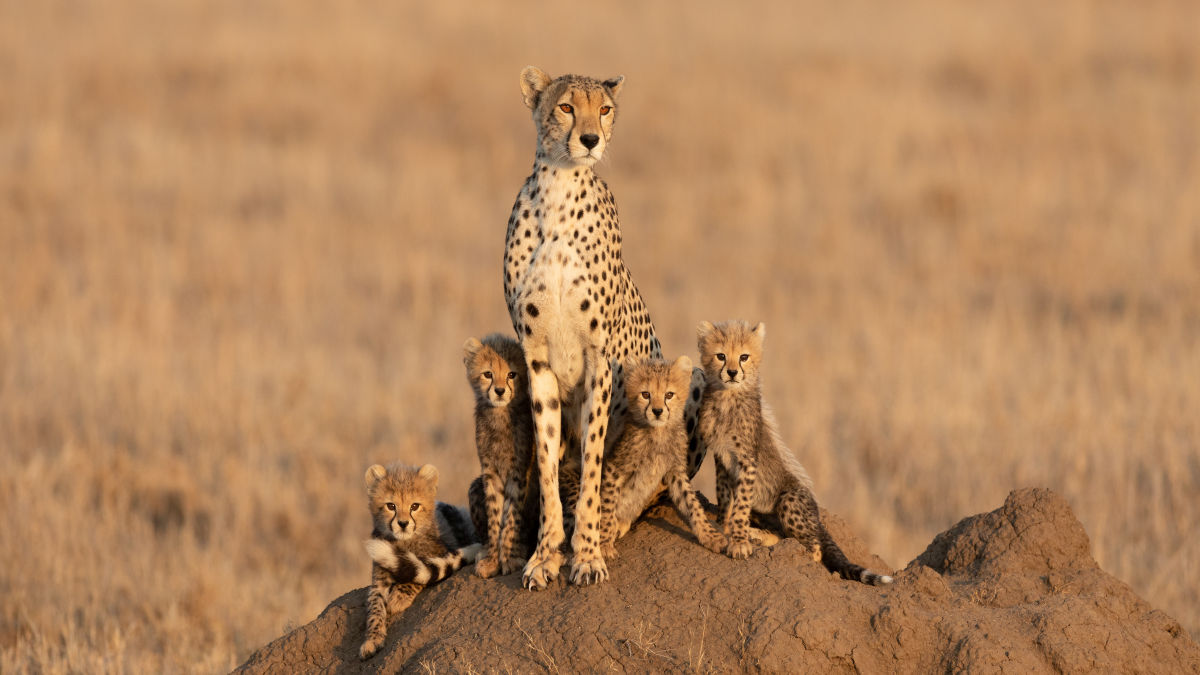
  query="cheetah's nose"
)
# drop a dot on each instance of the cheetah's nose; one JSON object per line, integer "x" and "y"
{"x": 499, "y": 391}
{"x": 657, "y": 412}
{"x": 732, "y": 373}
{"x": 403, "y": 524}
{"x": 589, "y": 140}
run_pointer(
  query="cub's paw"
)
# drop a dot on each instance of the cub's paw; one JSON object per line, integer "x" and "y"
{"x": 487, "y": 567}
{"x": 608, "y": 551}
{"x": 541, "y": 570}
{"x": 471, "y": 553}
{"x": 369, "y": 647}
{"x": 512, "y": 564}
{"x": 763, "y": 537}
{"x": 739, "y": 548}
{"x": 588, "y": 571}
{"x": 715, "y": 543}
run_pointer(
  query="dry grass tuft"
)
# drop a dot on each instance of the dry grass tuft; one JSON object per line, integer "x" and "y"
{"x": 244, "y": 241}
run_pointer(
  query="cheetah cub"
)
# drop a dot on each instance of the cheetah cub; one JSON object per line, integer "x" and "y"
{"x": 755, "y": 470}
{"x": 504, "y": 439}
{"x": 417, "y": 541}
{"x": 653, "y": 448}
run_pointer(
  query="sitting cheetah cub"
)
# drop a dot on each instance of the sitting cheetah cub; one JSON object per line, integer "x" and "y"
{"x": 653, "y": 447}
{"x": 417, "y": 541}
{"x": 755, "y": 471}
{"x": 504, "y": 440}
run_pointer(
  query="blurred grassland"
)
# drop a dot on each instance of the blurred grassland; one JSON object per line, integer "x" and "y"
{"x": 243, "y": 242}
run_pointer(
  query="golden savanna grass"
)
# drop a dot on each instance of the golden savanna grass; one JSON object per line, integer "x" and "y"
{"x": 244, "y": 242}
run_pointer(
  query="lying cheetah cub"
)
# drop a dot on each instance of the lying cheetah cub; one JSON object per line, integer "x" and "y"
{"x": 504, "y": 440}
{"x": 653, "y": 447}
{"x": 417, "y": 541}
{"x": 755, "y": 470}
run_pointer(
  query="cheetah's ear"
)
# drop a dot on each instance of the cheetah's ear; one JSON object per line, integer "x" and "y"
{"x": 429, "y": 474}
{"x": 533, "y": 83}
{"x": 761, "y": 330}
{"x": 470, "y": 348}
{"x": 683, "y": 363}
{"x": 374, "y": 475}
{"x": 614, "y": 85}
{"x": 704, "y": 329}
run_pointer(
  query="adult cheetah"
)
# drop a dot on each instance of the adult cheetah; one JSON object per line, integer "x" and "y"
{"x": 575, "y": 309}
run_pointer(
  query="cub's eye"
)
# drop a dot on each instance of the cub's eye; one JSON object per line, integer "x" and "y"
{"x": 646, "y": 395}
{"x": 511, "y": 374}
{"x": 744, "y": 358}
{"x": 487, "y": 374}
{"x": 566, "y": 107}
{"x": 670, "y": 395}
{"x": 605, "y": 109}
{"x": 720, "y": 357}
{"x": 414, "y": 508}
{"x": 390, "y": 506}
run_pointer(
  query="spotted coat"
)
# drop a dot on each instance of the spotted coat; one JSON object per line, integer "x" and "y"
{"x": 574, "y": 307}
{"x": 755, "y": 470}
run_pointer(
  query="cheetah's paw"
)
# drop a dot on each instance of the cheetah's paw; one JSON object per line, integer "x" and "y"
{"x": 511, "y": 565}
{"x": 541, "y": 570}
{"x": 739, "y": 548}
{"x": 716, "y": 543}
{"x": 369, "y": 647}
{"x": 608, "y": 551}
{"x": 487, "y": 567}
{"x": 589, "y": 571}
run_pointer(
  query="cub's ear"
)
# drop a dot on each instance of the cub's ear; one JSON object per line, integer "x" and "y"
{"x": 470, "y": 348}
{"x": 761, "y": 330}
{"x": 614, "y": 85}
{"x": 374, "y": 475}
{"x": 683, "y": 363}
{"x": 704, "y": 329}
{"x": 533, "y": 83}
{"x": 429, "y": 473}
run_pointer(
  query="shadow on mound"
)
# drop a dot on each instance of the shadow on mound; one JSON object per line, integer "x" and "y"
{"x": 1015, "y": 589}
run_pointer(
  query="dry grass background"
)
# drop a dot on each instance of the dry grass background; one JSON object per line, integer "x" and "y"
{"x": 243, "y": 243}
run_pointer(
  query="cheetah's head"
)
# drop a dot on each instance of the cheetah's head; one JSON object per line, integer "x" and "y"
{"x": 730, "y": 353}
{"x": 495, "y": 369}
{"x": 402, "y": 500}
{"x": 657, "y": 390}
{"x": 574, "y": 115}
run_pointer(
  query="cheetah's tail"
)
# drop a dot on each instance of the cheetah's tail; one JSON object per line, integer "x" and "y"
{"x": 408, "y": 567}
{"x": 836, "y": 561}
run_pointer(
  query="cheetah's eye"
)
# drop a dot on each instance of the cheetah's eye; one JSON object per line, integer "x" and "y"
{"x": 390, "y": 506}
{"x": 646, "y": 395}
{"x": 566, "y": 107}
{"x": 511, "y": 374}
{"x": 605, "y": 109}
{"x": 744, "y": 358}
{"x": 721, "y": 357}
{"x": 487, "y": 374}
{"x": 414, "y": 508}
{"x": 670, "y": 395}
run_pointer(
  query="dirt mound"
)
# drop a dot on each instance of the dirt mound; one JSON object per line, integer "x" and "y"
{"x": 1015, "y": 589}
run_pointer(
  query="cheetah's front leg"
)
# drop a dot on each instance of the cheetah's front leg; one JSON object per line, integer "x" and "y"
{"x": 588, "y": 563}
{"x": 737, "y": 519}
{"x": 493, "y": 490}
{"x": 546, "y": 560}
{"x": 689, "y": 505}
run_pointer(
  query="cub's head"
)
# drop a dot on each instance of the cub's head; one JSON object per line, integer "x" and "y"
{"x": 657, "y": 390}
{"x": 495, "y": 369}
{"x": 730, "y": 353}
{"x": 402, "y": 500}
{"x": 574, "y": 115}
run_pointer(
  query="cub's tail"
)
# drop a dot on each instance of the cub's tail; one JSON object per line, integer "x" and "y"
{"x": 407, "y": 567}
{"x": 836, "y": 561}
